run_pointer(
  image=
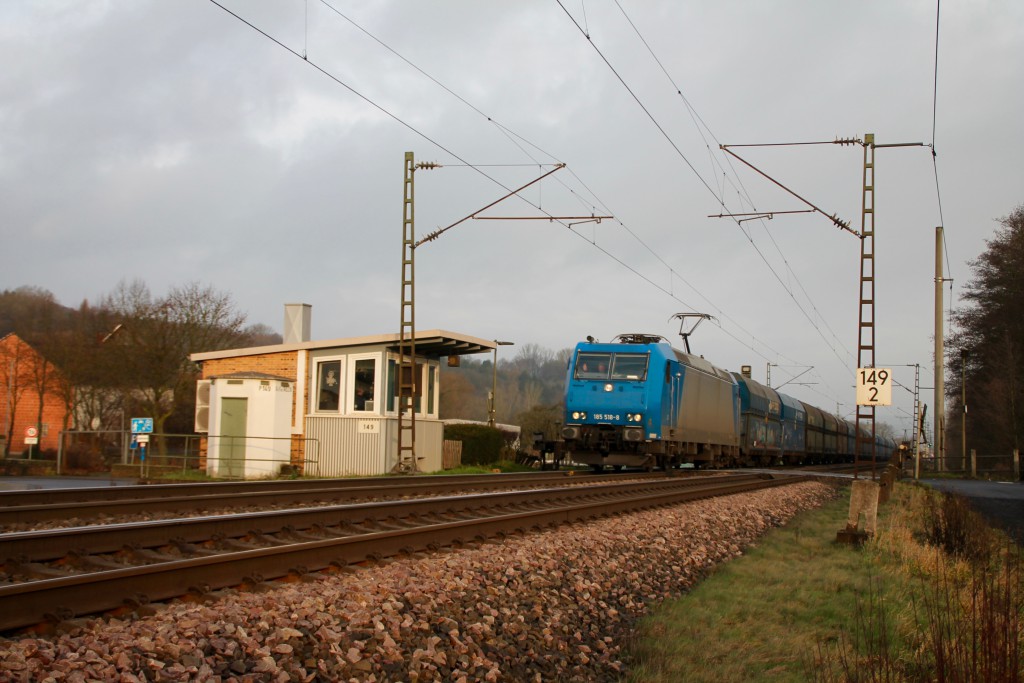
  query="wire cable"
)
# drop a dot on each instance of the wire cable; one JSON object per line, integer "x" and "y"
{"x": 703, "y": 181}
{"x": 935, "y": 118}
{"x": 517, "y": 139}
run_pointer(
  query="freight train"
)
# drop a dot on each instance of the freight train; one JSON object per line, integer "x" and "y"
{"x": 639, "y": 402}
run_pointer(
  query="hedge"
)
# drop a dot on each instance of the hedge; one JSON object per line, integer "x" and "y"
{"x": 481, "y": 445}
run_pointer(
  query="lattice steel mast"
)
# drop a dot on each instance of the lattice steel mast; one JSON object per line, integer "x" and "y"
{"x": 866, "y": 307}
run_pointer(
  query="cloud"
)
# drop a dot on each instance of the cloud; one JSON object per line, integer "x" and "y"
{"x": 171, "y": 142}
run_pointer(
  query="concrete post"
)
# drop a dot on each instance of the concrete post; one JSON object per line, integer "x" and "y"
{"x": 974, "y": 464}
{"x": 1016, "y": 464}
{"x": 863, "y": 501}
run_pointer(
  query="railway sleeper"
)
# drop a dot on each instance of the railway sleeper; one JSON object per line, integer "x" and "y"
{"x": 198, "y": 594}
{"x": 255, "y": 583}
{"x": 340, "y": 532}
{"x": 85, "y": 561}
{"x": 261, "y": 539}
{"x": 193, "y": 550}
{"x": 34, "y": 570}
{"x": 392, "y": 524}
{"x": 298, "y": 574}
{"x": 238, "y": 544}
{"x": 138, "y": 603}
{"x": 294, "y": 534}
{"x": 149, "y": 555}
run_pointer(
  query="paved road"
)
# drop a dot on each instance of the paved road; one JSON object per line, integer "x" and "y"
{"x": 1001, "y": 502}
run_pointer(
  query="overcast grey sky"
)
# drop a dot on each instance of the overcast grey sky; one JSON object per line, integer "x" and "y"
{"x": 171, "y": 142}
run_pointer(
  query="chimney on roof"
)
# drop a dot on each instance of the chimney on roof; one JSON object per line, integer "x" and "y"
{"x": 296, "y": 323}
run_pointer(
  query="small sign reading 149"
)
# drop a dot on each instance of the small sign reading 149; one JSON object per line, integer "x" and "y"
{"x": 874, "y": 387}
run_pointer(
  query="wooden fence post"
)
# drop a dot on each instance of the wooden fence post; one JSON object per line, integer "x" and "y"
{"x": 1016, "y": 464}
{"x": 974, "y": 464}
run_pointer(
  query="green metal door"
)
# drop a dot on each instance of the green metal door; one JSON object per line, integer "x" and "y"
{"x": 233, "y": 415}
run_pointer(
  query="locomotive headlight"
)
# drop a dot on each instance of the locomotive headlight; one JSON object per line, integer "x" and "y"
{"x": 577, "y": 415}
{"x": 608, "y": 387}
{"x": 634, "y": 417}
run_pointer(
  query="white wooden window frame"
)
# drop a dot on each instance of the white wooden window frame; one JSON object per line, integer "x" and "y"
{"x": 314, "y": 395}
{"x": 350, "y": 383}
{"x": 424, "y": 379}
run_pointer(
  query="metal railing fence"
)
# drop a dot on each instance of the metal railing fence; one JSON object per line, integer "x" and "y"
{"x": 107, "y": 450}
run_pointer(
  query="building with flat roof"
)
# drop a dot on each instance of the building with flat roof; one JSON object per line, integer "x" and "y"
{"x": 325, "y": 408}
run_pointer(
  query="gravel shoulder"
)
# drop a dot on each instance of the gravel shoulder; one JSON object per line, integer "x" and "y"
{"x": 557, "y": 605}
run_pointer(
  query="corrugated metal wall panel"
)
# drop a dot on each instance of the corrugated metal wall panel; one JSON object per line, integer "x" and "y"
{"x": 430, "y": 445}
{"x": 429, "y": 449}
{"x": 346, "y": 450}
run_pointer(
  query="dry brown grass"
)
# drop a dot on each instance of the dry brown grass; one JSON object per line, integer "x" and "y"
{"x": 936, "y": 595}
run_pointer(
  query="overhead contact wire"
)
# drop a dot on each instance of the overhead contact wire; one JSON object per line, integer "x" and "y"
{"x": 475, "y": 167}
{"x": 514, "y": 137}
{"x": 785, "y": 287}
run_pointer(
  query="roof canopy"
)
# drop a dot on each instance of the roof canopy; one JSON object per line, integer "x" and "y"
{"x": 446, "y": 344}
{"x": 429, "y": 344}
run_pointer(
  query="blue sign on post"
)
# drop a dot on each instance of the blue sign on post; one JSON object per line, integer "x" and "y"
{"x": 142, "y": 425}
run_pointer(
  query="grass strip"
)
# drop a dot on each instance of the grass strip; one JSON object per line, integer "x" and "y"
{"x": 763, "y": 616}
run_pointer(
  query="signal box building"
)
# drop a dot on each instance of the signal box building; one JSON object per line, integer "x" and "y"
{"x": 326, "y": 408}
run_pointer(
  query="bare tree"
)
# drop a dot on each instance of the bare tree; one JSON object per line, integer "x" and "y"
{"x": 531, "y": 359}
{"x": 885, "y": 430}
{"x": 158, "y": 337}
{"x": 259, "y": 334}
{"x": 17, "y": 380}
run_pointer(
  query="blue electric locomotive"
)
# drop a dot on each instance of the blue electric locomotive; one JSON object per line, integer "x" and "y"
{"x": 638, "y": 402}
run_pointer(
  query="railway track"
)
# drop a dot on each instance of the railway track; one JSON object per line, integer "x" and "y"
{"x": 30, "y": 507}
{"x": 53, "y": 575}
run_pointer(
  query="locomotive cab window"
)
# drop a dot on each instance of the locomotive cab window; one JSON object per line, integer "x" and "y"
{"x": 630, "y": 366}
{"x": 592, "y": 365}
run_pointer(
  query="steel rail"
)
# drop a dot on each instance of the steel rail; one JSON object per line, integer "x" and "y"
{"x": 24, "y": 547}
{"x": 28, "y": 507}
{"x": 33, "y": 602}
{"x": 91, "y": 493}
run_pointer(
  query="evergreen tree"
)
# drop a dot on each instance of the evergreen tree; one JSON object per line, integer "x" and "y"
{"x": 986, "y": 353}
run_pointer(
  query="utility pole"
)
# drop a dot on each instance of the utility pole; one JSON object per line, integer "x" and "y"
{"x": 866, "y": 322}
{"x": 866, "y": 299}
{"x": 939, "y": 440}
{"x": 408, "y": 382}
{"x": 963, "y": 415}
{"x": 492, "y": 409}
{"x": 917, "y": 421}
{"x": 866, "y": 319}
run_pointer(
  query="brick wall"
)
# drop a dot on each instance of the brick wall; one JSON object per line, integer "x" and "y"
{"x": 18, "y": 364}
{"x": 282, "y": 364}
